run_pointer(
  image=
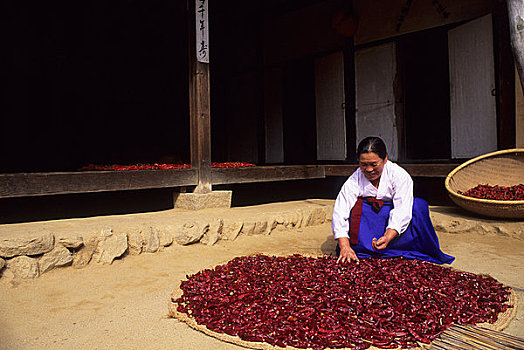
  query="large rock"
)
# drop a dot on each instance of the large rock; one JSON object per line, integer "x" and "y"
{"x": 304, "y": 216}
{"x": 146, "y": 239}
{"x": 59, "y": 256}
{"x": 231, "y": 229}
{"x": 513, "y": 230}
{"x": 455, "y": 226}
{"x": 213, "y": 233}
{"x": 30, "y": 243}
{"x": 248, "y": 228}
{"x": 165, "y": 237}
{"x": 318, "y": 216}
{"x": 500, "y": 229}
{"x": 271, "y": 225}
{"x": 84, "y": 255}
{"x": 151, "y": 239}
{"x": 135, "y": 242}
{"x": 110, "y": 246}
{"x": 260, "y": 226}
{"x": 191, "y": 232}
{"x": 23, "y": 267}
{"x": 73, "y": 240}
{"x": 288, "y": 219}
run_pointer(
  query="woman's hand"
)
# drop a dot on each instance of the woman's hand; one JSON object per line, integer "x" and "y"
{"x": 383, "y": 241}
{"x": 346, "y": 253}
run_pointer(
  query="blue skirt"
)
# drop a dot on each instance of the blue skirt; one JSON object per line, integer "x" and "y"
{"x": 419, "y": 241}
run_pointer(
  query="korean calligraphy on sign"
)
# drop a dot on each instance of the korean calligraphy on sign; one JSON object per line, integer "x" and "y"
{"x": 202, "y": 31}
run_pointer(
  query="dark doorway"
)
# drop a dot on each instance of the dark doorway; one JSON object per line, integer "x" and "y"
{"x": 424, "y": 69}
{"x": 300, "y": 136}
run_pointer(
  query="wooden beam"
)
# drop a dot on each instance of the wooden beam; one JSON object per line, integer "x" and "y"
{"x": 415, "y": 170}
{"x": 41, "y": 184}
{"x": 340, "y": 170}
{"x": 516, "y": 23}
{"x": 223, "y": 176}
{"x": 199, "y": 106}
{"x": 429, "y": 170}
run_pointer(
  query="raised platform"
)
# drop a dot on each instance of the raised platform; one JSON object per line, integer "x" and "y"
{"x": 53, "y": 183}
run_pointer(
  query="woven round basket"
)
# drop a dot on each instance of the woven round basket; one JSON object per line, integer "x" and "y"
{"x": 502, "y": 168}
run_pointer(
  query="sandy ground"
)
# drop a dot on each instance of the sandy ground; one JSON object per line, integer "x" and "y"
{"x": 124, "y": 305}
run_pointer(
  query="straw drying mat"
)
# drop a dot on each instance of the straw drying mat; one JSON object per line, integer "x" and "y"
{"x": 486, "y": 334}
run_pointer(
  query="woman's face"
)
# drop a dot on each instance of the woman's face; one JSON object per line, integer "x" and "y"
{"x": 371, "y": 166}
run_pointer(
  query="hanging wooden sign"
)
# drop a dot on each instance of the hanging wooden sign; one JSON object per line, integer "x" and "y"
{"x": 202, "y": 31}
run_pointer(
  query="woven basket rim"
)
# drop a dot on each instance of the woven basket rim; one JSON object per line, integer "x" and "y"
{"x": 476, "y": 159}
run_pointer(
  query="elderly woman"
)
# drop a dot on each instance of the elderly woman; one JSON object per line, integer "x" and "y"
{"x": 375, "y": 213}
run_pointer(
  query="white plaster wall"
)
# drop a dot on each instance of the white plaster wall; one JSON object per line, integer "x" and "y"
{"x": 375, "y": 70}
{"x": 472, "y": 81}
{"x": 329, "y": 98}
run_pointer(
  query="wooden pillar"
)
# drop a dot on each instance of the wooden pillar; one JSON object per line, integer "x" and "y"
{"x": 199, "y": 91}
{"x": 516, "y": 22}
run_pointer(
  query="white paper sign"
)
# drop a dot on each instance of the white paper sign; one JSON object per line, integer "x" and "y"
{"x": 202, "y": 31}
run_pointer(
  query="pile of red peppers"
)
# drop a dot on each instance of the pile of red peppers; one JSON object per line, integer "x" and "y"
{"x": 316, "y": 303}
{"x": 156, "y": 166}
{"x": 495, "y": 192}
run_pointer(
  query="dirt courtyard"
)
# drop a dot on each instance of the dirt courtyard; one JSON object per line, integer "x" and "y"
{"x": 124, "y": 305}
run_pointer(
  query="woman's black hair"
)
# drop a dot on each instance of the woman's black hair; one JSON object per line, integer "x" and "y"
{"x": 372, "y": 144}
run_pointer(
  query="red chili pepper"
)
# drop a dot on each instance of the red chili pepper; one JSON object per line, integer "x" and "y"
{"x": 156, "y": 166}
{"x": 316, "y": 303}
{"x": 511, "y": 193}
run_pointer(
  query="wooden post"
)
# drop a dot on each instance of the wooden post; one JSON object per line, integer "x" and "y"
{"x": 516, "y": 23}
{"x": 199, "y": 91}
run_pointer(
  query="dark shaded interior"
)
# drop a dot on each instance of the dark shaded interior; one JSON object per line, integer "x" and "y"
{"x": 107, "y": 82}
{"x": 300, "y": 137}
{"x": 27, "y": 209}
{"x": 423, "y": 59}
{"x": 93, "y": 82}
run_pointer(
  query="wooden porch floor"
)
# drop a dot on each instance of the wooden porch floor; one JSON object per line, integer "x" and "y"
{"x": 52, "y": 183}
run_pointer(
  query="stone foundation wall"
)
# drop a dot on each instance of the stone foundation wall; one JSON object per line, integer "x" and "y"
{"x": 457, "y": 221}
{"x": 31, "y": 249}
